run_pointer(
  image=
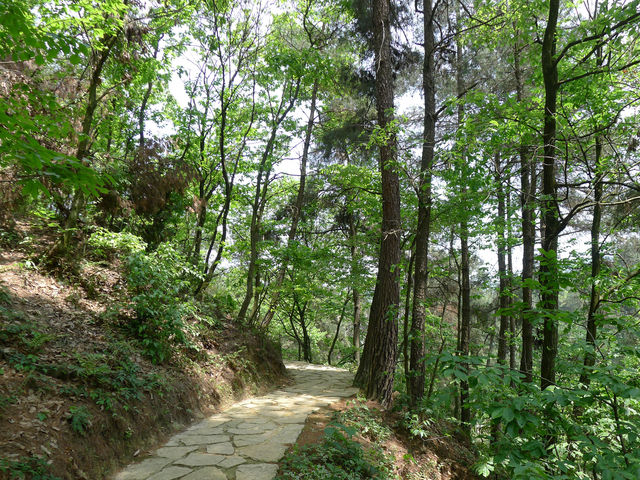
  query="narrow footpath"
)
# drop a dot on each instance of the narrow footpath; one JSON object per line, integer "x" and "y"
{"x": 246, "y": 441}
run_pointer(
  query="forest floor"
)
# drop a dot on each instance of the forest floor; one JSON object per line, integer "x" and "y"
{"x": 442, "y": 455}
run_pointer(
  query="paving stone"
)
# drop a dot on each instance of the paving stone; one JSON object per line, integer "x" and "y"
{"x": 256, "y": 430}
{"x": 203, "y": 439}
{"x": 289, "y": 434}
{"x": 144, "y": 469}
{"x": 200, "y": 460}
{"x": 244, "y": 440}
{"x": 207, "y": 473}
{"x": 232, "y": 461}
{"x": 170, "y": 473}
{"x": 264, "y": 452}
{"x": 225, "y": 448}
{"x": 256, "y": 471}
{"x": 174, "y": 452}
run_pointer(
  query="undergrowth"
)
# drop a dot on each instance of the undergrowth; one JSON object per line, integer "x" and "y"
{"x": 33, "y": 468}
{"x": 337, "y": 457}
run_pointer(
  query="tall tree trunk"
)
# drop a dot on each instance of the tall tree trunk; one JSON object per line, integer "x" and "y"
{"x": 512, "y": 319}
{"x": 465, "y": 322}
{"x": 550, "y": 213}
{"x": 405, "y": 322}
{"x": 357, "y": 302}
{"x": 416, "y": 379}
{"x": 376, "y": 370}
{"x": 501, "y": 243}
{"x": 594, "y": 299}
{"x": 465, "y": 291}
{"x": 297, "y": 210}
{"x": 527, "y": 188}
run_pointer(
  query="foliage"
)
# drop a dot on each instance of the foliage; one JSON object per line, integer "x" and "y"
{"x": 24, "y": 335}
{"x": 157, "y": 284}
{"x": 32, "y": 468}
{"x": 107, "y": 244}
{"x": 592, "y": 431}
{"x": 364, "y": 420}
{"x": 338, "y": 457}
{"x": 79, "y": 418}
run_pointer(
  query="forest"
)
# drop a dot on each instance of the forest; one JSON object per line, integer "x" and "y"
{"x": 442, "y": 196}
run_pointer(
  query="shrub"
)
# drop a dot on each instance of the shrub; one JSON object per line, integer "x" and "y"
{"x": 338, "y": 457}
{"x": 107, "y": 244}
{"x": 157, "y": 283}
{"x": 79, "y": 418}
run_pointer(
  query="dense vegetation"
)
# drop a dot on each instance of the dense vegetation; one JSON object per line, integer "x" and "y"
{"x": 457, "y": 179}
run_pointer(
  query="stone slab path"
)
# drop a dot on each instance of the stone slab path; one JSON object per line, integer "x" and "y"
{"x": 246, "y": 441}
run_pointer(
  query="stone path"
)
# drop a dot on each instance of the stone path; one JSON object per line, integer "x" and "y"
{"x": 246, "y": 441}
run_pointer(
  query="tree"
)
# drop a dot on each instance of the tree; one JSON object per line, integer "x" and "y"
{"x": 377, "y": 366}
{"x": 416, "y": 380}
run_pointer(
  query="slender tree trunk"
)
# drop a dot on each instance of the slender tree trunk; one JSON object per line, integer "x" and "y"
{"x": 306, "y": 340}
{"x": 594, "y": 299}
{"x": 416, "y": 379}
{"x": 297, "y": 210}
{"x": 77, "y": 203}
{"x": 335, "y": 337}
{"x": 550, "y": 213}
{"x": 145, "y": 100}
{"x": 443, "y": 342}
{"x": 294, "y": 330}
{"x": 527, "y": 187}
{"x": 376, "y": 370}
{"x": 201, "y": 218}
{"x": 357, "y": 303}
{"x": 465, "y": 293}
{"x": 228, "y": 176}
{"x": 512, "y": 319}
{"x": 465, "y": 323}
{"x": 503, "y": 294}
{"x": 405, "y": 323}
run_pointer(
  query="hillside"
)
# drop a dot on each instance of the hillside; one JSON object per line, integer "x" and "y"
{"x": 78, "y": 394}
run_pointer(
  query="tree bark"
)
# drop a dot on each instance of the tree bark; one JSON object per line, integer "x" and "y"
{"x": 335, "y": 337}
{"x": 357, "y": 303}
{"x": 550, "y": 213}
{"x": 503, "y": 294}
{"x": 416, "y": 379}
{"x": 527, "y": 188}
{"x": 376, "y": 370}
{"x": 465, "y": 323}
{"x": 594, "y": 299}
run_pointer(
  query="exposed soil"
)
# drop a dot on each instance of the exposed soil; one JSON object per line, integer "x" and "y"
{"x": 78, "y": 393}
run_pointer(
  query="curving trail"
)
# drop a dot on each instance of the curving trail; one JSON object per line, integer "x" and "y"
{"x": 246, "y": 441}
